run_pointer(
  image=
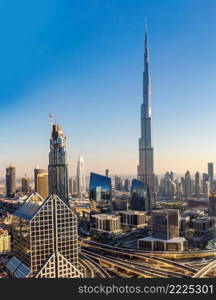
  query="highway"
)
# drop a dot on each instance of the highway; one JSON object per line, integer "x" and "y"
{"x": 93, "y": 267}
{"x": 183, "y": 269}
{"x": 206, "y": 269}
{"x": 110, "y": 261}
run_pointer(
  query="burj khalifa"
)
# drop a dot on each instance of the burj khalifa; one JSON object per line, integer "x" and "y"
{"x": 146, "y": 158}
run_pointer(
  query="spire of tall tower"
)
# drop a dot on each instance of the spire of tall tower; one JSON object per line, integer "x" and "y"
{"x": 146, "y": 79}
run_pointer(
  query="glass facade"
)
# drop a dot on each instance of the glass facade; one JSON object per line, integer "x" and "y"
{"x": 165, "y": 224}
{"x": 46, "y": 240}
{"x": 100, "y": 190}
{"x": 140, "y": 196}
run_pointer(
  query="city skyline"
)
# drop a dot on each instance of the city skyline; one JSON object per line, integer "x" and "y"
{"x": 59, "y": 84}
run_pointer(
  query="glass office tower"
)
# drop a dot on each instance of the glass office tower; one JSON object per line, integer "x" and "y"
{"x": 100, "y": 190}
{"x": 140, "y": 196}
{"x": 45, "y": 240}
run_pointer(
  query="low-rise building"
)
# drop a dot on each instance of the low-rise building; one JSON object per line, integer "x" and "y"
{"x": 132, "y": 218}
{"x": 106, "y": 224}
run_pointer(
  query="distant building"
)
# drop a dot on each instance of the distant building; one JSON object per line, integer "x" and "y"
{"x": 100, "y": 192}
{"x": 107, "y": 172}
{"x": 42, "y": 185}
{"x": 127, "y": 185}
{"x": 118, "y": 183}
{"x": 120, "y": 200}
{"x": 140, "y": 196}
{"x": 74, "y": 187}
{"x": 165, "y": 232}
{"x": 45, "y": 240}
{"x": 202, "y": 225}
{"x": 81, "y": 184}
{"x": 106, "y": 224}
{"x": 5, "y": 241}
{"x": 211, "y": 175}
{"x": 212, "y": 205}
{"x": 70, "y": 186}
{"x": 188, "y": 185}
{"x": 10, "y": 181}
{"x": 197, "y": 184}
{"x": 37, "y": 171}
{"x": 25, "y": 185}
{"x": 132, "y": 218}
{"x": 207, "y": 188}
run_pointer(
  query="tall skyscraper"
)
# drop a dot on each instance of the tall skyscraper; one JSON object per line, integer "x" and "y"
{"x": 197, "y": 184}
{"x": 211, "y": 174}
{"x": 188, "y": 185}
{"x": 58, "y": 169}
{"x": 45, "y": 240}
{"x": 70, "y": 186}
{"x": 81, "y": 184}
{"x": 37, "y": 171}
{"x": 146, "y": 162}
{"x": 25, "y": 185}
{"x": 10, "y": 181}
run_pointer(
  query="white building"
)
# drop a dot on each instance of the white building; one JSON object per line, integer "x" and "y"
{"x": 81, "y": 184}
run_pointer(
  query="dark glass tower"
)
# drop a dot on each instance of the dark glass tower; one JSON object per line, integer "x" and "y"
{"x": 140, "y": 196}
{"x": 57, "y": 169}
{"x": 10, "y": 181}
{"x": 100, "y": 189}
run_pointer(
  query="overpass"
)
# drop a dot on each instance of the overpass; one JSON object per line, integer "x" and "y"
{"x": 202, "y": 272}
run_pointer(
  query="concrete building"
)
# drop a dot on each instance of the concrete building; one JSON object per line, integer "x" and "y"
{"x": 132, "y": 218}
{"x": 5, "y": 241}
{"x": 202, "y": 225}
{"x": 25, "y": 185}
{"x": 37, "y": 171}
{"x": 106, "y": 224}
{"x": 42, "y": 185}
{"x": 165, "y": 232}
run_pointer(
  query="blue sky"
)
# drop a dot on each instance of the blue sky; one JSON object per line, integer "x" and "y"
{"x": 82, "y": 60}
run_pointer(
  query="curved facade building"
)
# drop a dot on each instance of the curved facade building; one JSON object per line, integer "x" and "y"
{"x": 100, "y": 192}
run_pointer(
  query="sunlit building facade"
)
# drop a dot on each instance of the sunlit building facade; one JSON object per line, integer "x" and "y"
{"x": 45, "y": 240}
